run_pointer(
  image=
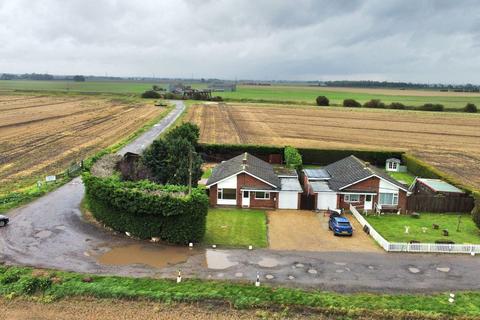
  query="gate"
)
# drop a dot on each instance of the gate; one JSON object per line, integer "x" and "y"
{"x": 307, "y": 201}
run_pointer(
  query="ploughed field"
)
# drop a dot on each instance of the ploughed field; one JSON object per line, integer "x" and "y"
{"x": 449, "y": 141}
{"x": 43, "y": 135}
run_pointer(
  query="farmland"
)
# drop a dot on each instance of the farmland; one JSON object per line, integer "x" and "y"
{"x": 42, "y": 135}
{"x": 297, "y": 94}
{"x": 449, "y": 141}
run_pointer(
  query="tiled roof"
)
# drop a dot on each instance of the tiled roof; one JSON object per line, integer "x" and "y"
{"x": 253, "y": 166}
{"x": 351, "y": 170}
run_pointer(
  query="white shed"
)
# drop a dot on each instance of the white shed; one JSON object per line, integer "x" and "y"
{"x": 392, "y": 164}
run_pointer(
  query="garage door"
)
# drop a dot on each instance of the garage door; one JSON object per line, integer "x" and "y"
{"x": 327, "y": 200}
{"x": 288, "y": 200}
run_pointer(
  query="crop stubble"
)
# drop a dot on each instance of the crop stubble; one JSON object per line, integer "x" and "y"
{"x": 449, "y": 141}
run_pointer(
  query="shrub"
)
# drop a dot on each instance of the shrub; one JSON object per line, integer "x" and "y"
{"x": 470, "y": 107}
{"x": 147, "y": 210}
{"x": 216, "y": 98}
{"x": 396, "y": 105}
{"x": 322, "y": 101}
{"x": 350, "y": 103}
{"x": 293, "y": 158}
{"x": 374, "y": 103}
{"x": 431, "y": 107}
{"x": 30, "y": 286}
{"x": 151, "y": 94}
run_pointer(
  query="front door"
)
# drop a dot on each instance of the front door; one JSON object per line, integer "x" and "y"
{"x": 246, "y": 199}
{"x": 368, "y": 205}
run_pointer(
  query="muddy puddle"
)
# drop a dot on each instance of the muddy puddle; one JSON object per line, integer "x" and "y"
{"x": 157, "y": 256}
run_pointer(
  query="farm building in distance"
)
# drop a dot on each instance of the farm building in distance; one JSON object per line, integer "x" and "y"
{"x": 222, "y": 87}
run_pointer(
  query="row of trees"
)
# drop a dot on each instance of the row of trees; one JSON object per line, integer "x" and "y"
{"x": 376, "y": 103}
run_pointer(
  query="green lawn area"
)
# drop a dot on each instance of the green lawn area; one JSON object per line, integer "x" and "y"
{"x": 236, "y": 228}
{"x": 403, "y": 177}
{"x": 392, "y": 228}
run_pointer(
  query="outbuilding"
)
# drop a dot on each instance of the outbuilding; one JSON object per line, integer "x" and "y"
{"x": 393, "y": 164}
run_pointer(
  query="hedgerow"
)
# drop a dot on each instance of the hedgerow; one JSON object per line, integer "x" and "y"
{"x": 146, "y": 209}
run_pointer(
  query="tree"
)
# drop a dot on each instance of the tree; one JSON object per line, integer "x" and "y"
{"x": 293, "y": 158}
{"x": 476, "y": 211}
{"x": 396, "y": 105}
{"x": 187, "y": 130}
{"x": 173, "y": 159}
{"x": 322, "y": 101}
{"x": 79, "y": 78}
{"x": 374, "y": 103}
{"x": 470, "y": 107}
{"x": 350, "y": 103}
{"x": 150, "y": 94}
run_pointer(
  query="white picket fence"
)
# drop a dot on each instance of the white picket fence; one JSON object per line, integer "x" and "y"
{"x": 413, "y": 247}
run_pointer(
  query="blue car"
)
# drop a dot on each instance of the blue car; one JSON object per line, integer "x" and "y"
{"x": 340, "y": 225}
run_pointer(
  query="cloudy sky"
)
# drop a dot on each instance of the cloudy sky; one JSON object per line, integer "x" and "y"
{"x": 406, "y": 40}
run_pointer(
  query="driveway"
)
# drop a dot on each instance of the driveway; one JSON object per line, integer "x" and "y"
{"x": 308, "y": 231}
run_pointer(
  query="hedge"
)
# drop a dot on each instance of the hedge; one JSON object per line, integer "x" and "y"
{"x": 309, "y": 155}
{"x": 133, "y": 207}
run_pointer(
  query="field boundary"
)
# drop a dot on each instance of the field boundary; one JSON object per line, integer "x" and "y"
{"x": 412, "y": 247}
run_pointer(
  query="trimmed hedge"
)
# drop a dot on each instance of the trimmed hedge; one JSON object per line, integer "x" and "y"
{"x": 309, "y": 155}
{"x": 147, "y": 210}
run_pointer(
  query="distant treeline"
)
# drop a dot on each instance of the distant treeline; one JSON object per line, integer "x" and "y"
{"x": 401, "y": 85}
{"x": 26, "y": 76}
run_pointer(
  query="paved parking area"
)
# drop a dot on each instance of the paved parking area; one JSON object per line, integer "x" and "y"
{"x": 308, "y": 231}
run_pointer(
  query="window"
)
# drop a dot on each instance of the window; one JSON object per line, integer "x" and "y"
{"x": 262, "y": 195}
{"x": 352, "y": 198}
{"x": 227, "y": 194}
{"x": 368, "y": 198}
{"x": 392, "y": 165}
{"x": 389, "y": 199}
{"x": 246, "y": 194}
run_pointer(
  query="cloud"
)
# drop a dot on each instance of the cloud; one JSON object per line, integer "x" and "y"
{"x": 424, "y": 41}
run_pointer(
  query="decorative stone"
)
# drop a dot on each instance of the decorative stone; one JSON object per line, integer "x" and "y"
{"x": 291, "y": 277}
{"x": 339, "y": 271}
{"x": 340, "y": 263}
{"x": 312, "y": 271}
{"x": 299, "y": 265}
{"x": 269, "y": 276}
{"x": 371, "y": 267}
{"x": 443, "y": 269}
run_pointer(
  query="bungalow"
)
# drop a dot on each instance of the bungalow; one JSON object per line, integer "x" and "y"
{"x": 246, "y": 181}
{"x": 352, "y": 181}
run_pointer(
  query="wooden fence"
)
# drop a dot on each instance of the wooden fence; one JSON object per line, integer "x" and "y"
{"x": 426, "y": 203}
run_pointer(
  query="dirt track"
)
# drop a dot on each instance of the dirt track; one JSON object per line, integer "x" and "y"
{"x": 42, "y": 135}
{"x": 450, "y": 141}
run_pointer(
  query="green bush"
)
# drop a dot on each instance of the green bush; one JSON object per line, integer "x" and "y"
{"x": 322, "y": 101}
{"x": 470, "y": 107}
{"x": 30, "y": 286}
{"x": 146, "y": 209}
{"x": 293, "y": 159}
{"x": 374, "y": 103}
{"x": 350, "y": 103}
{"x": 151, "y": 94}
{"x": 397, "y": 105}
{"x": 432, "y": 107}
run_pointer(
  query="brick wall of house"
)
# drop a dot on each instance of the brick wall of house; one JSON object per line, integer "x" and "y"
{"x": 247, "y": 180}
{"x": 372, "y": 184}
{"x": 213, "y": 195}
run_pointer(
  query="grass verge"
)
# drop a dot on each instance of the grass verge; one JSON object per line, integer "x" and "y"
{"x": 403, "y": 177}
{"x": 49, "y": 286}
{"x": 392, "y": 228}
{"x": 236, "y": 228}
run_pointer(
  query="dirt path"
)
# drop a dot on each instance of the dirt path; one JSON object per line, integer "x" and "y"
{"x": 106, "y": 309}
{"x": 308, "y": 231}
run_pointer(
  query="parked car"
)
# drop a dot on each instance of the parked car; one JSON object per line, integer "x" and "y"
{"x": 340, "y": 225}
{"x": 3, "y": 221}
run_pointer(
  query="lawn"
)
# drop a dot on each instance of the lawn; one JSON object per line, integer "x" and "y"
{"x": 392, "y": 228}
{"x": 403, "y": 177}
{"x": 236, "y": 228}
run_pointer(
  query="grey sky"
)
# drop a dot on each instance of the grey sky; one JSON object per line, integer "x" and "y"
{"x": 404, "y": 40}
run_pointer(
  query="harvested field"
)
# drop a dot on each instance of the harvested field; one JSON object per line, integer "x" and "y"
{"x": 42, "y": 135}
{"x": 449, "y": 141}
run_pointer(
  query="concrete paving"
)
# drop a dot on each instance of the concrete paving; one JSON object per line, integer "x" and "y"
{"x": 51, "y": 233}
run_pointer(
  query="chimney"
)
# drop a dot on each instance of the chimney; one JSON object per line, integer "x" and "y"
{"x": 244, "y": 160}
